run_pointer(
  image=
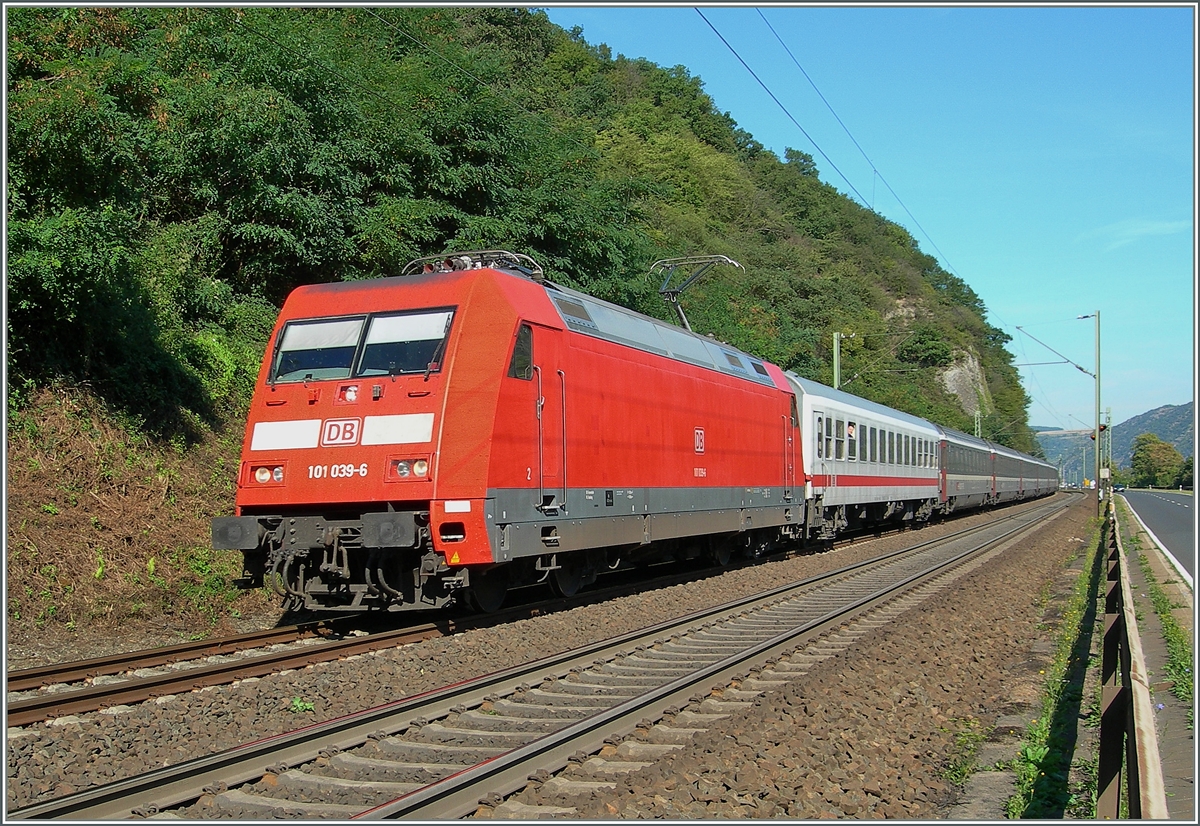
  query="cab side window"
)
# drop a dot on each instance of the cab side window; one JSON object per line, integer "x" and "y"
{"x": 521, "y": 366}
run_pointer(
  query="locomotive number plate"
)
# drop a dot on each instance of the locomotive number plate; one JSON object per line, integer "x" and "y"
{"x": 337, "y": 471}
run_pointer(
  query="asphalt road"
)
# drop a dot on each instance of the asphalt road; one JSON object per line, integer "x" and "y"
{"x": 1170, "y": 515}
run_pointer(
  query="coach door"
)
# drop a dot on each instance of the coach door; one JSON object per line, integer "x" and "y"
{"x": 943, "y": 479}
{"x": 823, "y": 443}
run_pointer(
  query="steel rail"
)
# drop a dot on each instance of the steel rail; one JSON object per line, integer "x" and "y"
{"x": 80, "y": 700}
{"x": 187, "y": 781}
{"x": 458, "y": 795}
{"x": 24, "y": 711}
{"x": 27, "y": 679}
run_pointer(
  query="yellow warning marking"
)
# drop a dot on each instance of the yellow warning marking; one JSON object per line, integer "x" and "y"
{"x": 454, "y": 559}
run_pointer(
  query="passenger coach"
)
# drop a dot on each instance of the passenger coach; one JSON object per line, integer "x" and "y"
{"x": 864, "y": 463}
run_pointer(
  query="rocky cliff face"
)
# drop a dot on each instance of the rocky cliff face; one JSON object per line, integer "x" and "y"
{"x": 964, "y": 380}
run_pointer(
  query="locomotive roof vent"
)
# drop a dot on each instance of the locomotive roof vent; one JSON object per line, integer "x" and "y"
{"x": 474, "y": 260}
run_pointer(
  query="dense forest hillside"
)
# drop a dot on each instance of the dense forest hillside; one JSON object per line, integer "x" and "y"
{"x": 174, "y": 172}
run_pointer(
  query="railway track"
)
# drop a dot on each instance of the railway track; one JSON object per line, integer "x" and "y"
{"x": 437, "y": 754}
{"x": 72, "y": 688}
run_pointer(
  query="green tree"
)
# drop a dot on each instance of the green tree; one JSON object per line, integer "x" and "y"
{"x": 1183, "y": 477}
{"x": 1154, "y": 462}
{"x": 174, "y": 172}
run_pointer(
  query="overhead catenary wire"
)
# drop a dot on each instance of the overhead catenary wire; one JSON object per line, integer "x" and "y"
{"x": 779, "y": 103}
{"x": 870, "y": 162}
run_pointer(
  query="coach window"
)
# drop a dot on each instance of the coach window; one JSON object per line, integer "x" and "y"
{"x": 907, "y": 456}
{"x": 828, "y": 439}
{"x": 851, "y": 441}
{"x": 820, "y": 437}
{"x": 840, "y": 445}
{"x": 871, "y": 438}
{"x": 521, "y": 366}
{"x": 891, "y": 447}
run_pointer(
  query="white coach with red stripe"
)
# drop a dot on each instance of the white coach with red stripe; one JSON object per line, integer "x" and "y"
{"x": 859, "y": 452}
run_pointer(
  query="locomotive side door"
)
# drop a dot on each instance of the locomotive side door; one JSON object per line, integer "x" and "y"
{"x": 531, "y": 425}
{"x": 791, "y": 425}
{"x": 550, "y": 380}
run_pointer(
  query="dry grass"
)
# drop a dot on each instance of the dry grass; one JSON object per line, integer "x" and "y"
{"x": 108, "y": 530}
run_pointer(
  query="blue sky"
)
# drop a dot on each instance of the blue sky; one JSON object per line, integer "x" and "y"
{"x": 1046, "y": 155}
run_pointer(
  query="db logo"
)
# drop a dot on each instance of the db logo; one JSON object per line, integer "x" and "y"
{"x": 340, "y": 432}
{"x": 699, "y": 440}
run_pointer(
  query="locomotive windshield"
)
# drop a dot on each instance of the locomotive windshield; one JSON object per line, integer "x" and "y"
{"x": 322, "y": 349}
{"x": 404, "y": 343}
{"x": 392, "y": 344}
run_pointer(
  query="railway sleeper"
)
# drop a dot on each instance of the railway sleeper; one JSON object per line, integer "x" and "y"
{"x": 602, "y": 692}
{"x": 515, "y": 810}
{"x": 484, "y": 721}
{"x": 240, "y": 804}
{"x": 412, "y": 751}
{"x": 562, "y": 787}
{"x": 358, "y": 766}
{"x": 439, "y": 733}
{"x": 579, "y": 699}
{"x": 511, "y": 708}
{"x": 642, "y": 680}
{"x": 373, "y": 791}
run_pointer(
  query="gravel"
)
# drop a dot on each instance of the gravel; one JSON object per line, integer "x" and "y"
{"x": 867, "y": 734}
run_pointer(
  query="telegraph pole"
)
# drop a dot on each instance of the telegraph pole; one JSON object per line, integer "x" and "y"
{"x": 1096, "y": 435}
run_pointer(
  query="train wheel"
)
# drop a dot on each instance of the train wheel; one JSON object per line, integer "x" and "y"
{"x": 567, "y": 579}
{"x": 488, "y": 589}
{"x": 721, "y": 554}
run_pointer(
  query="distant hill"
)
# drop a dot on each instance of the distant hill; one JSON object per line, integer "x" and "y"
{"x": 1172, "y": 423}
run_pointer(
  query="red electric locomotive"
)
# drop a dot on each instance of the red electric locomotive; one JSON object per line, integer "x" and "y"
{"x": 469, "y": 427}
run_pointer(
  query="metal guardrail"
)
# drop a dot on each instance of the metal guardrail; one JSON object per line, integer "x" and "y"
{"x": 1128, "y": 738}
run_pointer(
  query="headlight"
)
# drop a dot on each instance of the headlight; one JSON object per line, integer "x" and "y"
{"x": 263, "y": 475}
{"x": 409, "y": 468}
